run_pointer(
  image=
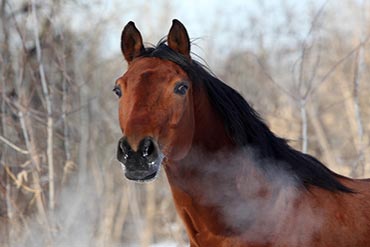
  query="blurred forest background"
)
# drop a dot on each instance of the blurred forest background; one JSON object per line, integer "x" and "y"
{"x": 304, "y": 65}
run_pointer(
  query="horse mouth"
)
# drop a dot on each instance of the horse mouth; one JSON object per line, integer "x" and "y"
{"x": 147, "y": 178}
{"x": 143, "y": 175}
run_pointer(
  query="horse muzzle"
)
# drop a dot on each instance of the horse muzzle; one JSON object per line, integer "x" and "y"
{"x": 144, "y": 163}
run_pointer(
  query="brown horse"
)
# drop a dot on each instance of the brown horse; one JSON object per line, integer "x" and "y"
{"x": 233, "y": 181}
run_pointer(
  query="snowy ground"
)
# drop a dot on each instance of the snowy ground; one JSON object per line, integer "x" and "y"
{"x": 161, "y": 244}
{"x": 165, "y": 244}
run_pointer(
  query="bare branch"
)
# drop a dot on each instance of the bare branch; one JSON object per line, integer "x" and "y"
{"x": 12, "y": 145}
{"x": 359, "y": 67}
{"x": 305, "y": 46}
{"x": 20, "y": 183}
{"x": 268, "y": 75}
{"x": 50, "y": 122}
{"x": 338, "y": 63}
{"x": 304, "y": 126}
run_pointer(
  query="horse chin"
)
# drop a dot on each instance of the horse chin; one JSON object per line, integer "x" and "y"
{"x": 141, "y": 177}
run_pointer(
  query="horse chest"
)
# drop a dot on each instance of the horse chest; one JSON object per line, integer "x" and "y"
{"x": 202, "y": 223}
{"x": 199, "y": 233}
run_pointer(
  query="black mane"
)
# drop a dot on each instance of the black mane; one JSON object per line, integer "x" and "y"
{"x": 245, "y": 126}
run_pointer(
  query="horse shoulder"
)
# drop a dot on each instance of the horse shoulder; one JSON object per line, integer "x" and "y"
{"x": 343, "y": 218}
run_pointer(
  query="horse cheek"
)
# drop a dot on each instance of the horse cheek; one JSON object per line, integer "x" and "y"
{"x": 121, "y": 117}
{"x": 182, "y": 135}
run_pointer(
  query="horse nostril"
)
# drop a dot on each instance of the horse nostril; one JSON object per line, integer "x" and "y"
{"x": 147, "y": 152}
{"x": 124, "y": 149}
{"x": 147, "y": 148}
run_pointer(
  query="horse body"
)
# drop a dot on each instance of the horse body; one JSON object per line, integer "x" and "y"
{"x": 311, "y": 218}
{"x": 234, "y": 183}
{"x": 295, "y": 217}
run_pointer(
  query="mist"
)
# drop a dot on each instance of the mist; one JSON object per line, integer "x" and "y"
{"x": 255, "y": 197}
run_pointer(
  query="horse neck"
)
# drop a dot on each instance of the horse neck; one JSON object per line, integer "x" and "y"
{"x": 211, "y": 149}
{"x": 218, "y": 184}
{"x": 209, "y": 138}
{"x": 210, "y": 133}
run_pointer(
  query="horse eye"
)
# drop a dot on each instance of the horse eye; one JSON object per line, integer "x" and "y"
{"x": 181, "y": 88}
{"x": 117, "y": 91}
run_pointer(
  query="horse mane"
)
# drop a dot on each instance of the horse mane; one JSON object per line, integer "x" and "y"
{"x": 245, "y": 127}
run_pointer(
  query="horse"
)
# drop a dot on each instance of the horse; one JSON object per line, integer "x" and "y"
{"x": 233, "y": 181}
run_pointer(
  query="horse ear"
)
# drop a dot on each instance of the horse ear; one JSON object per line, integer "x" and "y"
{"x": 178, "y": 38}
{"x": 131, "y": 42}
